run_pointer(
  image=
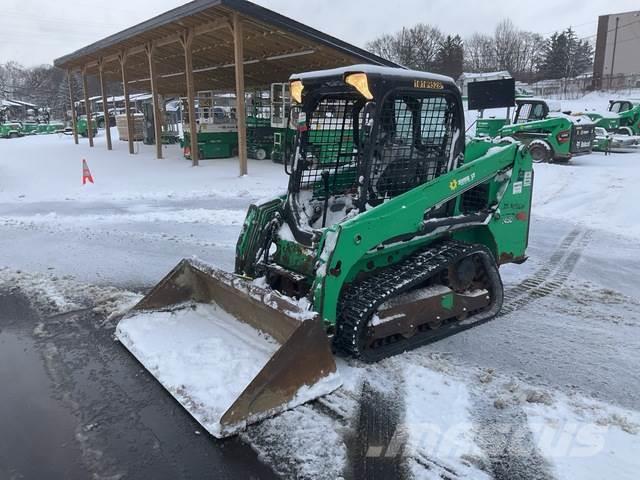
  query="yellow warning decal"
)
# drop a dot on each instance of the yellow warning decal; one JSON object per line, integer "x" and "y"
{"x": 453, "y": 184}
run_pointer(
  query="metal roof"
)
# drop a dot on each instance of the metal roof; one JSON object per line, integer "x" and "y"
{"x": 274, "y": 45}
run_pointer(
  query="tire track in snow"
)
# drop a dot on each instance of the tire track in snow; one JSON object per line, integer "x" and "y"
{"x": 376, "y": 451}
{"x": 551, "y": 276}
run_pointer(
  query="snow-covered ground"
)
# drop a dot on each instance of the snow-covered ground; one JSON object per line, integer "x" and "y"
{"x": 551, "y": 389}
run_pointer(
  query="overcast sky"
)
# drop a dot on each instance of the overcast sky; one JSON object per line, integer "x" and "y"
{"x": 38, "y": 31}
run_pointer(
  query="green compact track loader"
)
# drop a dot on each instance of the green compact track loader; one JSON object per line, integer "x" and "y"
{"x": 550, "y": 135}
{"x": 629, "y": 114}
{"x": 390, "y": 236}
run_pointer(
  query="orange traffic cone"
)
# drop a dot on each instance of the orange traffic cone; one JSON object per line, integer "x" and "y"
{"x": 86, "y": 173}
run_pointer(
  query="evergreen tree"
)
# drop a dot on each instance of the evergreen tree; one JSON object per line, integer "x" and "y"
{"x": 566, "y": 56}
{"x": 450, "y": 56}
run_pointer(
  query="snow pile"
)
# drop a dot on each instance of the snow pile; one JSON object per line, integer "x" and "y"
{"x": 53, "y": 295}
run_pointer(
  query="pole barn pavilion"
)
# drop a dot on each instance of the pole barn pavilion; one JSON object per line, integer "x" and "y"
{"x": 207, "y": 45}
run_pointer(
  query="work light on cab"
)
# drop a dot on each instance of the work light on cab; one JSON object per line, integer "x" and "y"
{"x": 360, "y": 82}
{"x": 296, "y": 87}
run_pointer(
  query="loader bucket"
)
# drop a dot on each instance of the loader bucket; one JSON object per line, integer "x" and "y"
{"x": 230, "y": 351}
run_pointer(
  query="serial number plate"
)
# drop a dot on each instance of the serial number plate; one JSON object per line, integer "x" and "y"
{"x": 432, "y": 84}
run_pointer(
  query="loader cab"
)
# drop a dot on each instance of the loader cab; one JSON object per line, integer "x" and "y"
{"x": 620, "y": 106}
{"x": 531, "y": 110}
{"x": 628, "y": 114}
{"x": 366, "y": 135}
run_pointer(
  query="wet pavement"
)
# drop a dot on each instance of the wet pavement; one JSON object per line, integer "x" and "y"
{"x": 76, "y": 405}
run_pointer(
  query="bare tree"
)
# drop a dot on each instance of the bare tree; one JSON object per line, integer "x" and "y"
{"x": 511, "y": 49}
{"x": 480, "y": 53}
{"x": 414, "y": 47}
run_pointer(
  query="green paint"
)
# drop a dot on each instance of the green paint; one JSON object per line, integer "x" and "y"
{"x": 10, "y": 130}
{"x": 489, "y": 127}
{"x": 386, "y": 234}
{"x": 447, "y": 301}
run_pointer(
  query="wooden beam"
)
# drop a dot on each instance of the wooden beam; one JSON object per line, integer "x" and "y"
{"x": 74, "y": 118}
{"x": 87, "y": 107}
{"x": 241, "y": 116}
{"x": 157, "y": 113}
{"x": 187, "y": 42}
{"x": 205, "y": 28}
{"x": 127, "y": 104}
{"x": 105, "y": 105}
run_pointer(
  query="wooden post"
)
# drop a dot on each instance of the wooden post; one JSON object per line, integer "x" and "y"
{"x": 186, "y": 39}
{"x": 74, "y": 117}
{"x": 127, "y": 106}
{"x": 241, "y": 116}
{"x": 157, "y": 113}
{"x": 87, "y": 106}
{"x": 105, "y": 105}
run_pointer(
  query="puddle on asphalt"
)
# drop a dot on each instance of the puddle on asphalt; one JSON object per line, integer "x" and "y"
{"x": 37, "y": 433}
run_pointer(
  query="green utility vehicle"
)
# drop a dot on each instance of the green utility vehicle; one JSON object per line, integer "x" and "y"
{"x": 549, "y": 134}
{"x": 390, "y": 236}
{"x": 11, "y": 130}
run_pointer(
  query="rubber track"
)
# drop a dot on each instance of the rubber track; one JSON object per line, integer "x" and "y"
{"x": 360, "y": 300}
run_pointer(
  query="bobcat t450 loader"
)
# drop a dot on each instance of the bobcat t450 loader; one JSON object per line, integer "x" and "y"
{"x": 550, "y": 134}
{"x": 389, "y": 237}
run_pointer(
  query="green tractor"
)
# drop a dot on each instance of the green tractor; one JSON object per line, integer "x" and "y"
{"x": 390, "y": 236}
{"x": 549, "y": 134}
{"x": 11, "y": 130}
